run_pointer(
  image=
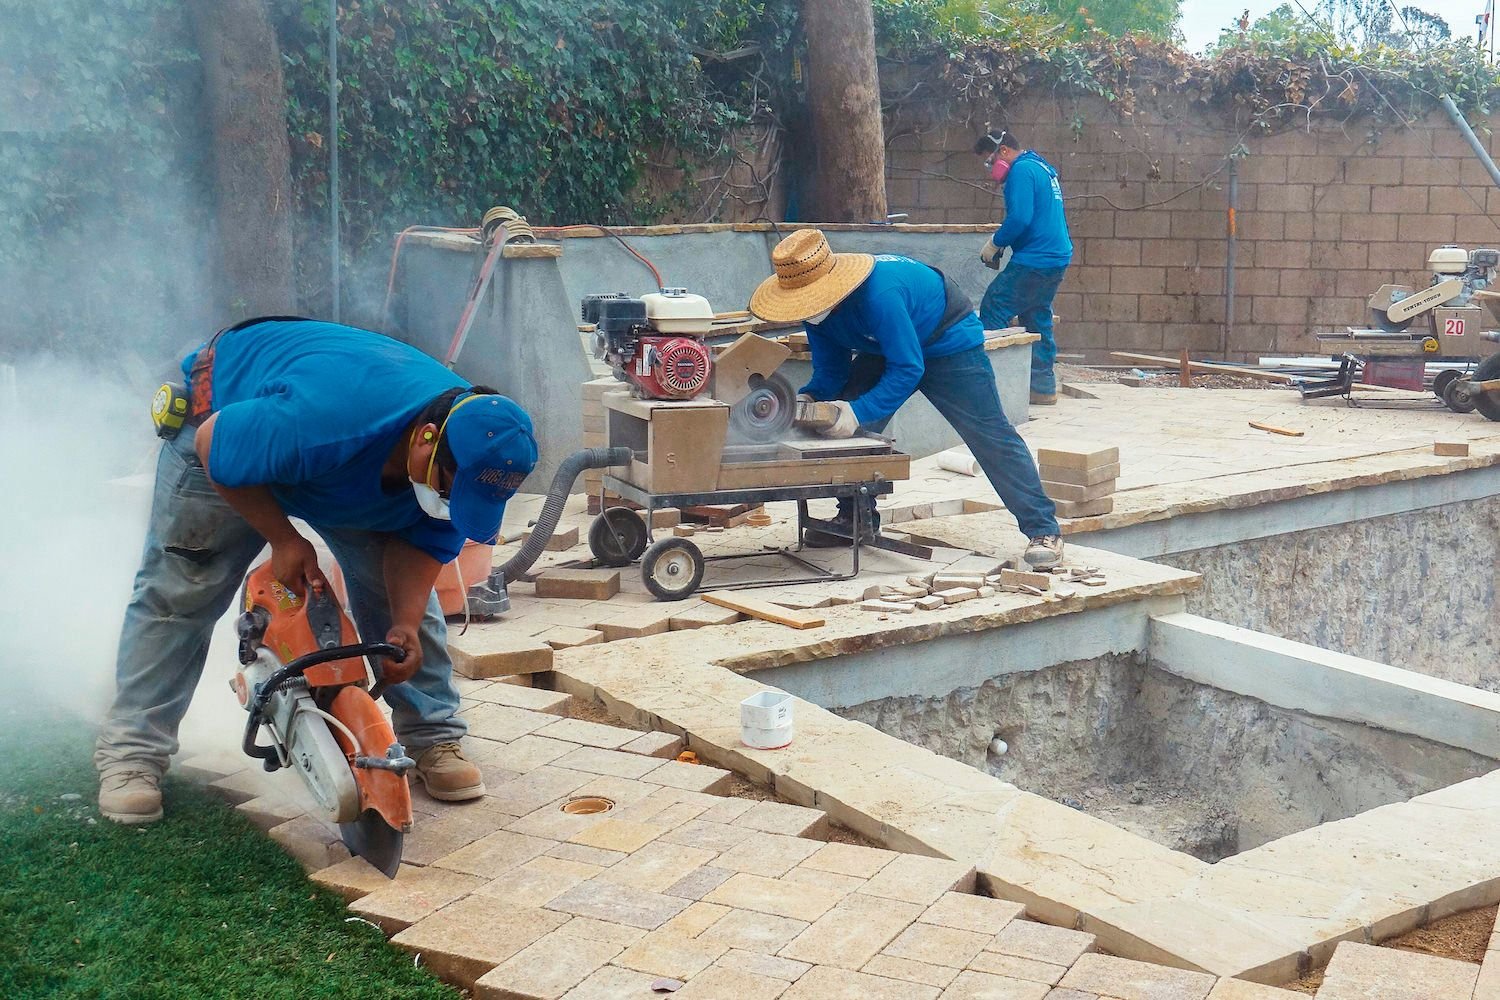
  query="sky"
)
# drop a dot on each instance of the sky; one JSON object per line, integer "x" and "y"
{"x": 1203, "y": 19}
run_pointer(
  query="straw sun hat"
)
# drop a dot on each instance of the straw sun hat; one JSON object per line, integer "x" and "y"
{"x": 809, "y": 278}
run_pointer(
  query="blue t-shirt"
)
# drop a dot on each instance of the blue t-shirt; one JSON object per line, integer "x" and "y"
{"x": 892, "y": 314}
{"x": 313, "y": 410}
{"x": 1034, "y": 227}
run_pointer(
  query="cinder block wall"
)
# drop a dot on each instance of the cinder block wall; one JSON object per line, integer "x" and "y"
{"x": 1325, "y": 216}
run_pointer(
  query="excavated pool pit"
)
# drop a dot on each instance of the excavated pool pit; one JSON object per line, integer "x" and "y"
{"x": 1187, "y": 765}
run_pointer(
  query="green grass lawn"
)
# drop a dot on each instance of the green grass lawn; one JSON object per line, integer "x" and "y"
{"x": 198, "y": 905}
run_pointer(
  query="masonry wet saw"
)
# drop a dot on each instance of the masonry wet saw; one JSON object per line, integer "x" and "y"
{"x": 303, "y": 680}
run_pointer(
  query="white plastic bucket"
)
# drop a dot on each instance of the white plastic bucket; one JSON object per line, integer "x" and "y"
{"x": 766, "y": 720}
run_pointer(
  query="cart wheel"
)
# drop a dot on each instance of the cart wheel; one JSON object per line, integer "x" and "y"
{"x": 672, "y": 568}
{"x": 1459, "y": 396}
{"x": 1487, "y": 403}
{"x": 1442, "y": 381}
{"x": 617, "y": 537}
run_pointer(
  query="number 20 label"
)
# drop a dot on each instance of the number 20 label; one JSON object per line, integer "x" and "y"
{"x": 1453, "y": 326}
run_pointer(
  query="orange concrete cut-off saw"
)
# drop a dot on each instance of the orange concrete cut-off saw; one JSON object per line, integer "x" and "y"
{"x": 302, "y": 677}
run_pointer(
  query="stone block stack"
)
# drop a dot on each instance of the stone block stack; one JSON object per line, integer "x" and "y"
{"x": 1080, "y": 478}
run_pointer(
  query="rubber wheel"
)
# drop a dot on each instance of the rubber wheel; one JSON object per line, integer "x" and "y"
{"x": 1442, "y": 381}
{"x": 1488, "y": 403}
{"x": 617, "y": 537}
{"x": 1459, "y": 397}
{"x": 672, "y": 569}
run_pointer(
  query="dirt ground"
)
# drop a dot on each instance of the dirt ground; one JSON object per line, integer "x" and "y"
{"x": 1463, "y": 936}
{"x": 1083, "y": 375}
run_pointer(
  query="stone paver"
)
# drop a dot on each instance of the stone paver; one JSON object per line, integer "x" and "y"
{"x": 618, "y": 835}
{"x": 492, "y": 721}
{"x": 972, "y": 913}
{"x": 824, "y": 982}
{"x": 591, "y": 734}
{"x": 721, "y": 983}
{"x": 766, "y": 854}
{"x": 494, "y": 854}
{"x": 612, "y": 762}
{"x": 619, "y": 904}
{"x": 538, "y": 881}
{"x": 908, "y": 971}
{"x": 518, "y": 696}
{"x": 1363, "y": 972}
{"x": 465, "y": 939}
{"x": 917, "y": 879}
{"x": 937, "y": 945}
{"x": 849, "y": 859}
{"x": 1238, "y": 989}
{"x": 667, "y": 745}
{"x": 709, "y": 836}
{"x": 689, "y": 777}
{"x": 668, "y": 953}
{"x": 415, "y": 893}
{"x": 790, "y": 820}
{"x": 767, "y": 895}
{"x": 1017, "y": 968}
{"x": 1127, "y": 980}
{"x": 613, "y": 983}
{"x": 1041, "y": 942}
{"x": 763, "y": 965}
{"x": 853, "y": 932}
{"x": 746, "y": 930}
{"x": 983, "y": 986}
{"x": 548, "y": 968}
{"x": 657, "y": 867}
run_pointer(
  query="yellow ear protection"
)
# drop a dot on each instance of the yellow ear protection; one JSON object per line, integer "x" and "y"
{"x": 427, "y": 436}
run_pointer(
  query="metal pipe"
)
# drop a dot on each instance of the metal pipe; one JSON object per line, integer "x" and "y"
{"x": 333, "y": 150}
{"x": 1229, "y": 250}
{"x": 1472, "y": 139}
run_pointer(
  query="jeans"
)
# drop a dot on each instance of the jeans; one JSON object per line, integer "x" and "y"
{"x": 198, "y": 551}
{"x": 1026, "y": 293}
{"x": 962, "y": 388}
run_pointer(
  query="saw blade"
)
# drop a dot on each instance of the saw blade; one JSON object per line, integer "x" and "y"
{"x": 372, "y": 838}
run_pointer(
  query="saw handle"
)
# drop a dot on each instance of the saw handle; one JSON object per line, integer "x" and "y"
{"x": 294, "y": 670}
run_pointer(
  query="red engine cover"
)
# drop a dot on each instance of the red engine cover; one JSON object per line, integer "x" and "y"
{"x": 671, "y": 367}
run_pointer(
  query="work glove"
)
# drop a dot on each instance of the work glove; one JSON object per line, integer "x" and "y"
{"x": 845, "y": 425}
{"x": 990, "y": 255}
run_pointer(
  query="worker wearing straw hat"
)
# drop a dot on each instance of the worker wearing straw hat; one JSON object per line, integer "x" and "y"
{"x": 883, "y": 327}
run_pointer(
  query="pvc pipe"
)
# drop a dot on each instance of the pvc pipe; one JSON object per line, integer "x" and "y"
{"x": 961, "y": 462}
{"x": 1471, "y": 138}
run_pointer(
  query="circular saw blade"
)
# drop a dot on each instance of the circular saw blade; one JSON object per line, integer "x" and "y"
{"x": 372, "y": 838}
{"x": 766, "y": 413}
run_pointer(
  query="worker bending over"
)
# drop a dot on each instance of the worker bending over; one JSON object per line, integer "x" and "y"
{"x": 1036, "y": 231}
{"x": 388, "y": 455}
{"x": 881, "y": 328}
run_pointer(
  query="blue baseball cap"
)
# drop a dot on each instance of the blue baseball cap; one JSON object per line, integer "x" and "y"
{"x": 494, "y": 448}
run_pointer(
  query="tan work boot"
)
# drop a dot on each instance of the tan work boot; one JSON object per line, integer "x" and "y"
{"x": 448, "y": 774}
{"x": 1044, "y": 399}
{"x": 130, "y": 795}
{"x": 1044, "y": 551}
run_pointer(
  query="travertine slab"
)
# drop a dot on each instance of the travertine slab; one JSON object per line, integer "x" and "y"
{"x": 1362, "y": 972}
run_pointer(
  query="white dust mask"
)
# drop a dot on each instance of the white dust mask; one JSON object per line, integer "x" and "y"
{"x": 431, "y": 502}
{"x": 820, "y": 317}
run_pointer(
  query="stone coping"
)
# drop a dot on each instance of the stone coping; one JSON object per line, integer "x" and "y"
{"x": 468, "y": 244}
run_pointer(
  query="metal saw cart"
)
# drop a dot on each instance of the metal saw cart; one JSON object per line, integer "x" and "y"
{"x": 682, "y": 459}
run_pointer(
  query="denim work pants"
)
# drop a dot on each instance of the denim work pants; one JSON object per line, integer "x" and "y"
{"x": 1026, "y": 293}
{"x": 198, "y": 551}
{"x": 962, "y": 388}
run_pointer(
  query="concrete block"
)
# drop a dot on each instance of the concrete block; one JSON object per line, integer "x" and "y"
{"x": 466, "y": 939}
{"x": 494, "y": 854}
{"x": 1451, "y": 449}
{"x": 618, "y": 835}
{"x": 596, "y": 760}
{"x": 690, "y": 777}
{"x": 1042, "y": 942}
{"x": 414, "y": 894}
{"x": 667, "y": 745}
{"x": 983, "y": 986}
{"x": 1079, "y": 457}
{"x": 853, "y": 932}
{"x": 969, "y": 912}
{"x": 718, "y": 983}
{"x": 592, "y": 734}
{"x": 561, "y": 540}
{"x": 849, "y": 859}
{"x": 769, "y": 895}
{"x": 579, "y": 584}
{"x": 1088, "y": 508}
{"x": 787, "y": 820}
{"x": 908, "y": 971}
{"x": 1119, "y": 977}
{"x": 530, "y": 698}
{"x": 825, "y": 982}
{"x": 547, "y": 968}
{"x": 937, "y": 945}
{"x": 917, "y": 879}
{"x": 619, "y": 904}
{"x": 569, "y": 637}
{"x": 493, "y": 652}
{"x": 1022, "y": 578}
{"x": 491, "y": 721}
{"x": 1079, "y": 477}
{"x": 1078, "y": 494}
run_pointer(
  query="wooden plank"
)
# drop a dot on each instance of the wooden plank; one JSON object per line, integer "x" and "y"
{"x": 764, "y": 610}
{"x": 1275, "y": 430}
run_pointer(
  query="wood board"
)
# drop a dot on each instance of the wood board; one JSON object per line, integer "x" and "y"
{"x": 764, "y": 610}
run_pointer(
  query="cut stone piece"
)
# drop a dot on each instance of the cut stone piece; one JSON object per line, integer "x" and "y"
{"x": 699, "y": 883}
{"x": 825, "y": 982}
{"x": 783, "y": 969}
{"x": 596, "y": 760}
{"x": 530, "y": 698}
{"x": 1079, "y": 494}
{"x": 657, "y": 867}
{"x": 930, "y": 603}
{"x": 538, "y": 881}
{"x": 494, "y": 854}
{"x": 570, "y": 637}
{"x": 917, "y": 879}
{"x": 849, "y": 859}
{"x": 785, "y": 819}
{"x": 937, "y": 945}
{"x": 768, "y": 895}
{"x": 762, "y": 933}
{"x": 1088, "y": 508}
{"x": 908, "y": 971}
{"x": 689, "y": 777}
{"x": 983, "y": 986}
{"x": 414, "y": 894}
{"x": 593, "y": 734}
{"x": 579, "y": 584}
{"x": 1079, "y": 477}
{"x": 704, "y": 615}
{"x": 355, "y": 878}
{"x": 1042, "y": 942}
{"x": 1077, "y": 456}
{"x": 666, "y": 745}
{"x": 547, "y": 968}
{"x": 612, "y": 983}
{"x": 768, "y": 854}
{"x": 619, "y": 904}
{"x": 887, "y": 607}
{"x": 1015, "y": 967}
{"x": 491, "y": 652}
{"x": 957, "y": 595}
{"x": 503, "y": 723}
{"x": 1360, "y": 971}
{"x": 669, "y": 953}
{"x": 720, "y": 983}
{"x": 1021, "y": 578}
{"x": 561, "y": 540}
{"x": 970, "y": 912}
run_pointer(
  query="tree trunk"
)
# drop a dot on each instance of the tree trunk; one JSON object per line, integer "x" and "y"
{"x": 843, "y": 96}
{"x": 246, "y": 106}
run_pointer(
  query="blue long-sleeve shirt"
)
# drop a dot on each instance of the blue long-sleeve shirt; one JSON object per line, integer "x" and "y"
{"x": 892, "y": 314}
{"x": 1035, "y": 227}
